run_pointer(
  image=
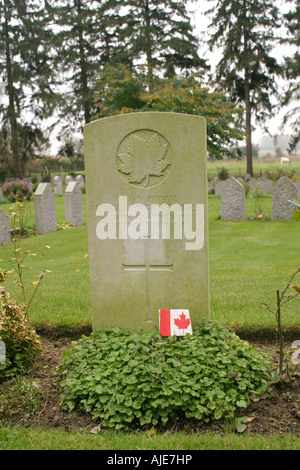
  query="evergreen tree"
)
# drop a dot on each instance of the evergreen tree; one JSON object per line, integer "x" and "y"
{"x": 85, "y": 40}
{"x": 245, "y": 31}
{"x": 160, "y": 33}
{"x": 292, "y": 73}
{"x": 25, "y": 72}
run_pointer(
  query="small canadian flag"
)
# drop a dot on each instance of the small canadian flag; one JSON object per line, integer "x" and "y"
{"x": 175, "y": 322}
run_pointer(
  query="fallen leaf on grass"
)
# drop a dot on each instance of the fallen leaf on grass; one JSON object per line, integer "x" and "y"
{"x": 95, "y": 430}
{"x": 240, "y": 423}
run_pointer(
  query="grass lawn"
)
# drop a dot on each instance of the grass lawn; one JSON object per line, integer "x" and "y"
{"x": 29, "y": 439}
{"x": 249, "y": 260}
{"x": 238, "y": 168}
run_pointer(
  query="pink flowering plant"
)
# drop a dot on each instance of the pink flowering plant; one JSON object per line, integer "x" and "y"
{"x": 18, "y": 190}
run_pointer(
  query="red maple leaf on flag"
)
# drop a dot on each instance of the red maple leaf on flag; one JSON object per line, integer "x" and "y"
{"x": 182, "y": 322}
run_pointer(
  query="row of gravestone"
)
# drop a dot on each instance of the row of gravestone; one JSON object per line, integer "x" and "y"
{"x": 263, "y": 184}
{"x": 233, "y": 199}
{"x": 58, "y": 183}
{"x": 44, "y": 208}
{"x": 232, "y": 204}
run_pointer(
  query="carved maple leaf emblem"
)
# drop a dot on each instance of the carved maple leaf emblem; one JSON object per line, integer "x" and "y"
{"x": 145, "y": 157}
{"x": 182, "y": 322}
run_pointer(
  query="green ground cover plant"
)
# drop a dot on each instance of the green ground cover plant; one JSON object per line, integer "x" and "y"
{"x": 130, "y": 379}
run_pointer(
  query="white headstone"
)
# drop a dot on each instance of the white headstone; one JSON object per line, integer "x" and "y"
{"x": 68, "y": 179}
{"x": 297, "y": 183}
{"x": 73, "y": 204}
{"x": 147, "y": 217}
{"x": 267, "y": 186}
{"x": 232, "y": 200}
{"x": 284, "y": 191}
{"x": 44, "y": 207}
{"x": 57, "y": 183}
{"x": 4, "y": 227}
{"x": 218, "y": 187}
{"x": 80, "y": 180}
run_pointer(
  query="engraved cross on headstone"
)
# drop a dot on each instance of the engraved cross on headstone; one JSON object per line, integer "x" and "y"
{"x": 147, "y": 268}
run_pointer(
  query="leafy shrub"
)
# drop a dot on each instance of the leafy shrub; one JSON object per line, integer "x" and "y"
{"x": 223, "y": 174}
{"x": 134, "y": 379}
{"x": 21, "y": 341}
{"x": 3, "y": 174}
{"x": 18, "y": 190}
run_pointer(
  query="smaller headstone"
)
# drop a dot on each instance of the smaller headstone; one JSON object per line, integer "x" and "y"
{"x": 58, "y": 188}
{"x": 44, "y": 207}
{"x": 265, "y": 185}
{"x": 253, "y": 184}
{"x": 73, "y": 204}
{"x": 268, "y": 186}
{"x": 284, "y": 191}
{"x": 68, "y": 179}
{"x": 1, "y": 193}
{"x": 4, "y": 227}
{"x": 80, "y": 180}
{"x": 218, "y": 187}
{"x": 297, "y": 183}
{"x": 232, "y": 200}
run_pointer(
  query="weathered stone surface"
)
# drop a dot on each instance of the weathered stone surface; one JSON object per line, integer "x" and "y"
{"x": 44, "y": 207}
{"x": 146, "y": 175}
{"x": 4, "y": 227}
{"x": 218, "y": 187}
{"x": 80, "y": 180}
{"x": 284, "y": 191}
{"x": 73, "y": 204}
{"x": 297, "y": 183}
{"x": 68, "y": 179}
{"x": 58, "y": 186}
{"x": 232, "y": 200}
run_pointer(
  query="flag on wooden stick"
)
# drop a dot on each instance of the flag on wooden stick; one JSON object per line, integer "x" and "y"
{"x": 175, "y": 322}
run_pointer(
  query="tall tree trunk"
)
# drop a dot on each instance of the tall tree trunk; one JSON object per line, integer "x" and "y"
{"x": 248, "y": 124}
{"x": 83, "y": 66}
{"x": 247, "y": 98}
{"x": 148, "y": 46}
{"x": 11, "y": 96}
